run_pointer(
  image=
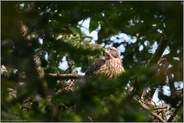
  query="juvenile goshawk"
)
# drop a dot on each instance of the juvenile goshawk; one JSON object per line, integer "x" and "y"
{"x": 111, "y": 66}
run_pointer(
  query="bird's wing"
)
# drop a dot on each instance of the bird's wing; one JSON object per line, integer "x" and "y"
{"x": 95, "y": 66}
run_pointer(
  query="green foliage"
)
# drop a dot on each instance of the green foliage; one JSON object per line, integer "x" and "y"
{"x": 55, "y": 33}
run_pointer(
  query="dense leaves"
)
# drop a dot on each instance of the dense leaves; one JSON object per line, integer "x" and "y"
{"x": 40, "y": 40}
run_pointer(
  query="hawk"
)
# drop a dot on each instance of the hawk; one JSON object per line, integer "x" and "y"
{"x": 111, "y": 66}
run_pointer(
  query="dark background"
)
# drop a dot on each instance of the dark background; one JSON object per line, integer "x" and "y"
{"x": 25, "y": 69}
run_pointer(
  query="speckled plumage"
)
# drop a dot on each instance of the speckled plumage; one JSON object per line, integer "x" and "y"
{"x": 110, "y": 66}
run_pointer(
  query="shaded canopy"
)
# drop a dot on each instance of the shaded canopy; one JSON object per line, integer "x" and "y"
{"x": 36, "y": 37}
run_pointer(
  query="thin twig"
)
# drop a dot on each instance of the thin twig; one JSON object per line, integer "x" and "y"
{"x": 157, "y": 116}
{"x": 156, "y": 108}
{"x": 68, "y": 68}
{"x": 148, "y": 109}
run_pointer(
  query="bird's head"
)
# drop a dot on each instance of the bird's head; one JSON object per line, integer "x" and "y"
{"x": 111, "y": 52}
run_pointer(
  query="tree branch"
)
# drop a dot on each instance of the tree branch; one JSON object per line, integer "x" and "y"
{"x": 23, "y": 54}
{"x": 159, "y": 51}
{"x": 148, "y": 109}
{"x": 65, "y": 76}
{"x": 155, "y": 58}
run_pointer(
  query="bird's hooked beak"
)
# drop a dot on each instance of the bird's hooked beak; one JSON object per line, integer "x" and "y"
{"x": 107, "y": 53}
{"x": 106, "y": 50}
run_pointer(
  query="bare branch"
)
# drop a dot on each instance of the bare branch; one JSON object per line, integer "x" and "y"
{"x": 160, "y": 107}
{"x": 155, "y": 58}
{"x": 70, "y": 66}
{"x": 148, "y": 109}
{"x": 65, "y": 76}
{"x": 159, "y": 51}
{"x": 157, "y": 116}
